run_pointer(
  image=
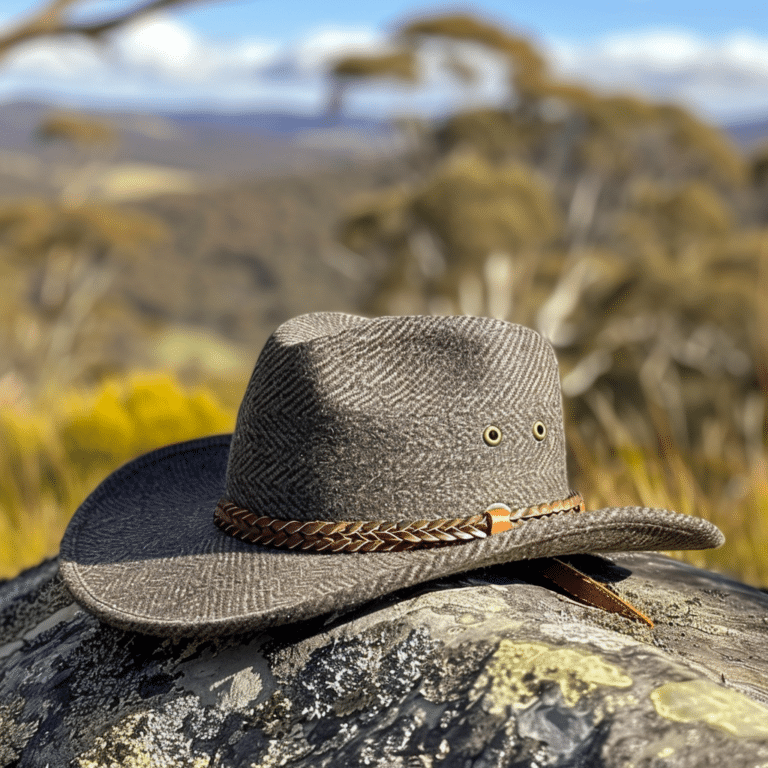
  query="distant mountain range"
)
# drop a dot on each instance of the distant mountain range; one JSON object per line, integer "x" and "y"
{"x": 748, "y": 133}
{"x": 215, "y": 144}
{"x": 275, "y": 122}
{"x": 238, "y": 145}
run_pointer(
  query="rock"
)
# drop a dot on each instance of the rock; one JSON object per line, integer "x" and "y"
{"x": 488, "y": 669}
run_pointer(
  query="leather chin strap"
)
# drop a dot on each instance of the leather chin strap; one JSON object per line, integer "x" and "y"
{"x": 586, "y": 590}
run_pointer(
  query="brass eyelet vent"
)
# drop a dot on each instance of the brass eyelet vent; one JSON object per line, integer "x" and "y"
{"x": 539, "y": 430}
{"x": 492, "y": 435}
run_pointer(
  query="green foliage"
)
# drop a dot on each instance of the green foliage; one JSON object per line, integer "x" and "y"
{"x": 494, "y": 134}
{"x": 528, "y": 65}
{"x": 475, "y": 208}
{"x": 31, "y": 228}
{"x": 77, "y": 129}
{"x": 692, "y": 211}
{"x": 712, "y": 152}
{"x": 399, "y": 65}
{"x": 467, "y": 209}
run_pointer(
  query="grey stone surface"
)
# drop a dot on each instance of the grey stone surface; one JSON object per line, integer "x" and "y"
{"x": 489, "y": 669}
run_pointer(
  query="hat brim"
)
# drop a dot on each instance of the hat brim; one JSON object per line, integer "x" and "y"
{"x": 143, "y": 553}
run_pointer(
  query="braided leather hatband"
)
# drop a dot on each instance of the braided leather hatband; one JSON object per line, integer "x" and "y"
{"x": 378, "y": 535}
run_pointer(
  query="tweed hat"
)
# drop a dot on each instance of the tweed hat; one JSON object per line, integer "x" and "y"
{"x": 368, "y": 455}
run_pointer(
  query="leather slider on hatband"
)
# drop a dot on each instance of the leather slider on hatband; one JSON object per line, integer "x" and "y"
{"x": 498, "y": 516}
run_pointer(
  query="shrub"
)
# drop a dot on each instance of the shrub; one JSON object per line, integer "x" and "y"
{"x": 57, "y": 449}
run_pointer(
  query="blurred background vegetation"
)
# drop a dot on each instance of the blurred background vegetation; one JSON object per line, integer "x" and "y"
{"x": 631, "y": 234}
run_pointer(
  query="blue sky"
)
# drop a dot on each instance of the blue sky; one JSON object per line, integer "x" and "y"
{"x": 582, "y": 21}
{"x": 264, "y": 54}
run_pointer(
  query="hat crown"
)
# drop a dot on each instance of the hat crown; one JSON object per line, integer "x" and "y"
{"x": 347, "y": 418}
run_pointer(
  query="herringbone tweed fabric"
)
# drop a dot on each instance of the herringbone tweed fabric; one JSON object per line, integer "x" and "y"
{"x": 351, "y": 419}
{"x": 347, "y": 419}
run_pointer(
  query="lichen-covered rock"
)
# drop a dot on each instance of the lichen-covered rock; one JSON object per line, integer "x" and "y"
{"x": 488, "y": 669}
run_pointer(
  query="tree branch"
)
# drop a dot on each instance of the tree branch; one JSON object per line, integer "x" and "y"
{"x": 51, "y": 21}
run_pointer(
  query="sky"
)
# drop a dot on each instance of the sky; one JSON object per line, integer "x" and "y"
{"x": 269, "y": 55}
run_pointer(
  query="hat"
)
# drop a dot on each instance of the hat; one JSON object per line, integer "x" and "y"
{"x": 368, "y": 455}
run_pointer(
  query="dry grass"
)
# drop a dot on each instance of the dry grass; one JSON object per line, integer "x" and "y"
{"x": 612, "y": 471}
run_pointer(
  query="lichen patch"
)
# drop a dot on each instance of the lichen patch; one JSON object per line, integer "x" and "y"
{"x": 469, "y": 613}
{"x": 230, "y": 677}
{"x": 239, "y": 690}
{"x": 16, "y": 733}
{"x": 722, "y": 708}
{"x": 515, "y": 671}
{"x": 573, "y": 632}
{"x": 144, "y": 740}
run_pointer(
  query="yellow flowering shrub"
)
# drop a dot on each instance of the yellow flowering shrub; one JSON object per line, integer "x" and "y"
{"x": 125, "y": 419}
{"x": 55, "y": 451}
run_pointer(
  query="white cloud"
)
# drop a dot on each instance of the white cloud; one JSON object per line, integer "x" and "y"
{"x": 66, "y": 58}
{"x": 720, "y": 78}
{"x": 163, "y": 46}
{"x": 315, "y": 52}
{"x": 160, "y": 60}
{"x": 168, "y": 50}
{"x": 663, "y": 49}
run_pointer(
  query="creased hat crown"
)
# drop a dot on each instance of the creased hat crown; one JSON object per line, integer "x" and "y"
{"x": 349, "y": 418}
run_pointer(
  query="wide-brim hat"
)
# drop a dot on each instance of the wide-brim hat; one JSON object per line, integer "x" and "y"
{"x": 369, "y": 455}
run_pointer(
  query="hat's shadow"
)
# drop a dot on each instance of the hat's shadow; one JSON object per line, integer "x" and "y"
{"x": 530, "y": 572}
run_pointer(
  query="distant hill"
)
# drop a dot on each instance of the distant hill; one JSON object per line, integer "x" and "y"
{"x": 280, "y": 123}
{"x": 748, "y": 133}
{"x": 216, "y": 144}
{"x": 224, "y": 146}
